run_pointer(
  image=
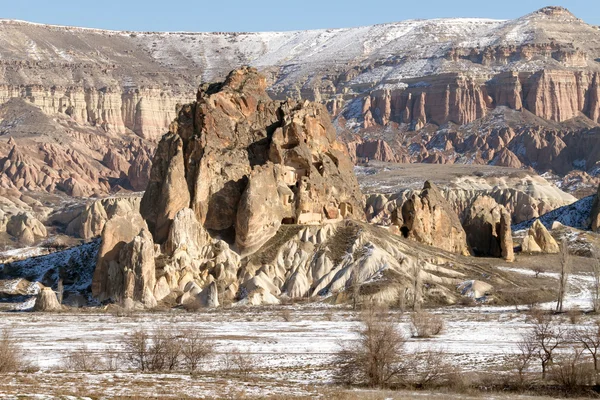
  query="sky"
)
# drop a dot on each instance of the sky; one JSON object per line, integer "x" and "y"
{"x": 268, "y": 15}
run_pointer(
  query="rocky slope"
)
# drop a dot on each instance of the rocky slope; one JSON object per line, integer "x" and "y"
{"x": 512, "y": 93}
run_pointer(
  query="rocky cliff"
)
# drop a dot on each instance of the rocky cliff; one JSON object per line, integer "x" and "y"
{"x": 513, "y": 93}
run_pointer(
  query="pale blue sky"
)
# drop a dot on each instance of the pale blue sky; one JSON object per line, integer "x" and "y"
{"x": 268, "y": 15}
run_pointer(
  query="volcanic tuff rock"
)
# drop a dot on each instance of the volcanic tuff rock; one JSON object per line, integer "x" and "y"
{"x": 25, "y": 228}
{"x": 428, "y": 218}
{"x": 46, "y": 301}
{"x": 234, "y": 149}
{"x": 539, "y": 240}
{"x": 488, "y": 229}
{"x": 520, "y": 92}
{"x": 524, "y": 194}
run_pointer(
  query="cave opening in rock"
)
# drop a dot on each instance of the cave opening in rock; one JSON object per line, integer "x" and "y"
{"x": 404, "y": 230}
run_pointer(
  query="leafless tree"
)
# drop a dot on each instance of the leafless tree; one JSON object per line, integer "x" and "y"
{"x": 195, "y": 349}
{"x": 547, "y": 337}
{"x": 374, "y": 359}
{"x": 589, "y": 338}
{"x": 137, "y": 348}
{"x": 522, "y": 359}
{"x": 565, "y": 269}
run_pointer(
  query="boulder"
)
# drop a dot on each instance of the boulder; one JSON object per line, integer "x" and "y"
{"x": 539, "y": 240}
{"x": 46, "y": 300}
{"x": 487, "y": 225}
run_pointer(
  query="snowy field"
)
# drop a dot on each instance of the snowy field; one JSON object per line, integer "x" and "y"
{"x": 292, "y": 348}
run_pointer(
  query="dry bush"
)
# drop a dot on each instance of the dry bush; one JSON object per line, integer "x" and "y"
{"x": 424, "y": 324}
{"x": 11, "y": 355}
{"x": 83, "y": 359}
{"x": 521, "y": 361}
{"x": 427, "y": 368}
{"x": 195, "y": 349}
{"x": 570, "y": 370}
{"x": 166, "y": 351}
{"x": 375, "y": 359}
{"x": 137, "y": 348}
{"x": 239, "y": 362}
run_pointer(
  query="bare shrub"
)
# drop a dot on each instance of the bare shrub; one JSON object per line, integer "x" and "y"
{"x": 11, "y": 355}
{"x": 520, "y": 361}
{"x": 374, "y": 359}
{"x": 424, "y": 324}
{"x": 570, "y": 371}
{"x": 137, "y": 348}
{"x": 427, "y": 368}
{"x": 239, "y": 362}
{"x": 83, "y": 359}
{"x": 166, "y": 351}
{"x": 195, "y": 348}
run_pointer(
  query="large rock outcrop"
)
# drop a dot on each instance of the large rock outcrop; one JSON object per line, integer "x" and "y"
{"x": 539, "y": 240}
{"x": 428, "y": 218}
{"x": 487, "y": 225}
{"x": 234, "y": 147}
{"x": 25, "y": 228}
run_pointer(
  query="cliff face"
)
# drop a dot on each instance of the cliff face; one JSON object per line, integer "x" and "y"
{"x": 115, "y": 110}
{"x": 412, "y": 91}
{"x": 554, "y": 95}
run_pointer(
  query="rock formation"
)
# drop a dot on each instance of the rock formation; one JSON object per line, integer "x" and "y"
{"x": 488, "y": 229}
{"x": 25, "y": 228}
{"x": 428, "y": 218}
{"x": 245, "y": 164}
{"x": 539, "y": 240}
{"x": 46, "y": 301}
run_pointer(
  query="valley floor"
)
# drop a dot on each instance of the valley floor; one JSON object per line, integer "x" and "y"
{"x": 290, "y": 349}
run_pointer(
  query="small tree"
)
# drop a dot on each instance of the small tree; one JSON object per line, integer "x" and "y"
{"x": 565, "y": 269}
{"x": 589, "y": 338}
{"x": 137, "y": 348}
{"x": 547, "y": 337}
{"x": 374, "y": 359}
{"x": 522, "y": 359}
{"x": 83, "y": 359}
{"x": 195, "y": 349}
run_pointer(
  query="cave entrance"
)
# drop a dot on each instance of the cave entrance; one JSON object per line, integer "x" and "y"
{"x": 404, "y": 231}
